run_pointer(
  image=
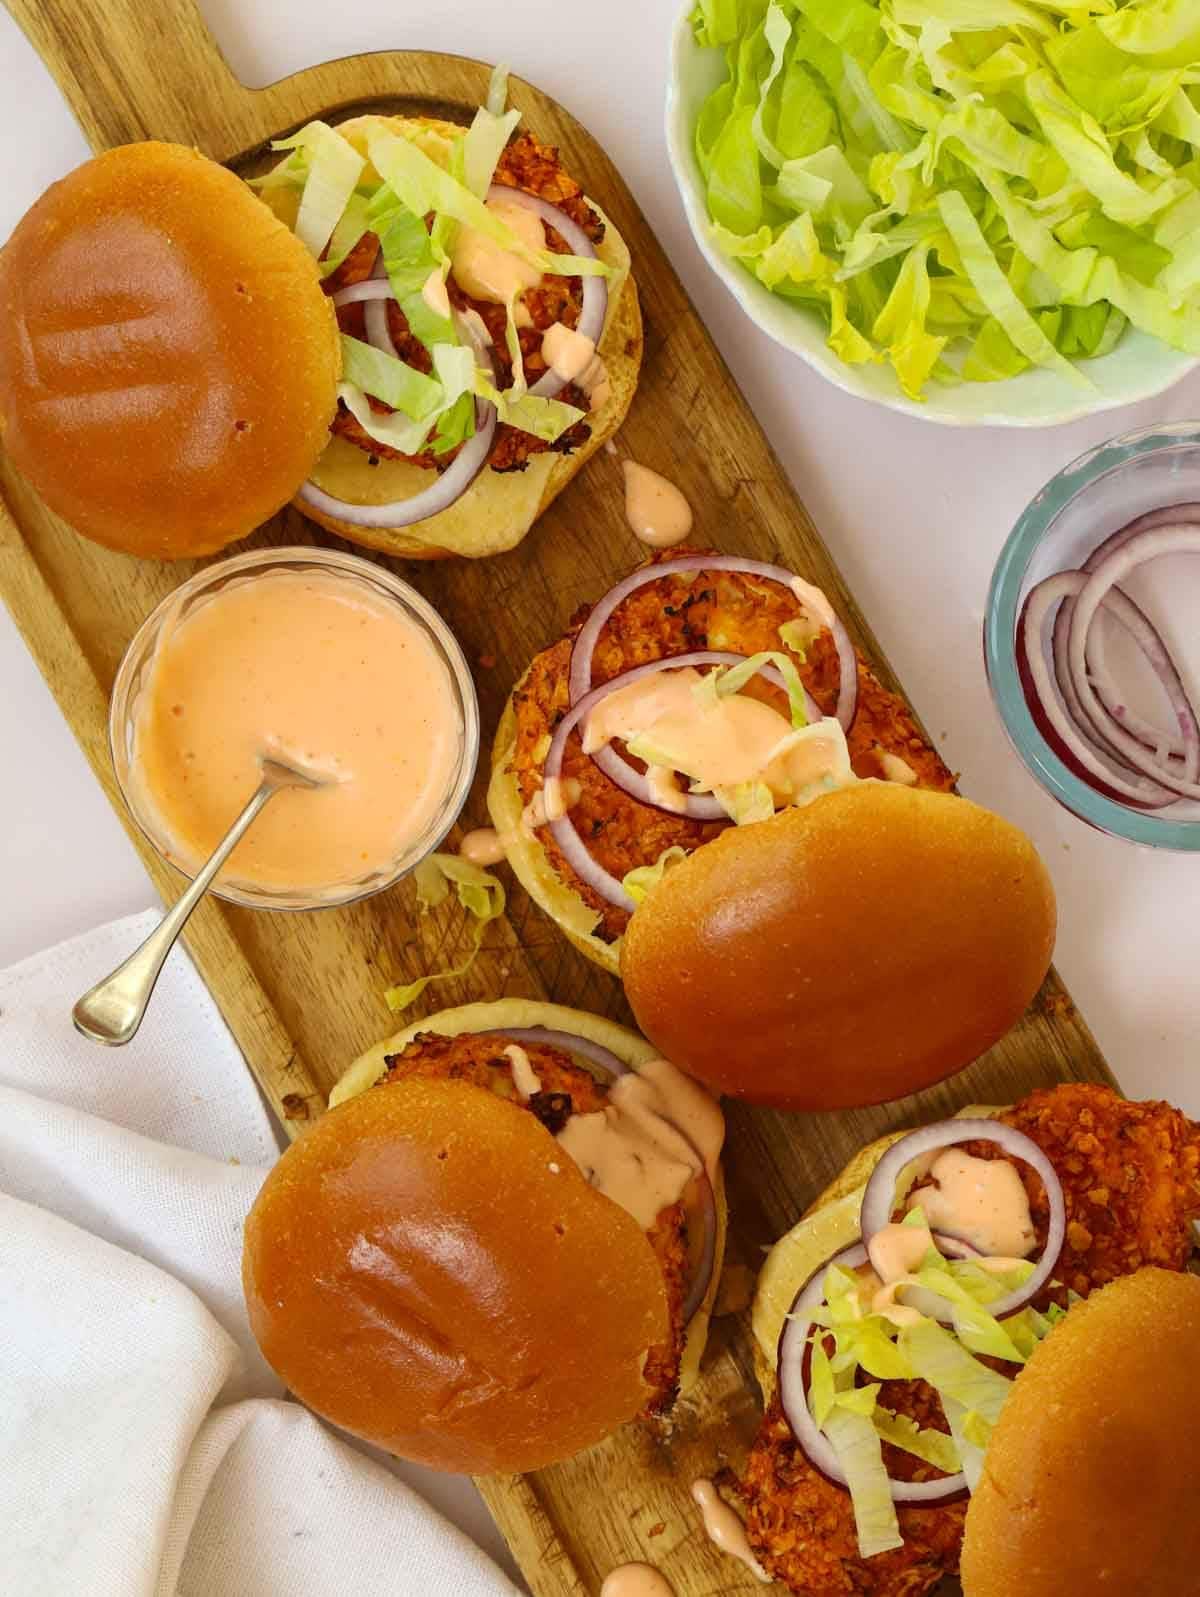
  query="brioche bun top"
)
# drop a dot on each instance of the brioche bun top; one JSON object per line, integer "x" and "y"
{"x": 1089, "y": 1480}
{"x": 429, "y": 1270}
{"x": 844, "y": 953}
{"x": 168, "y": 360}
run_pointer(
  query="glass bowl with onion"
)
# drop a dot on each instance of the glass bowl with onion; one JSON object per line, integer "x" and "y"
{"x": 1090, "y": 641}
{"x": 328, "y": 662}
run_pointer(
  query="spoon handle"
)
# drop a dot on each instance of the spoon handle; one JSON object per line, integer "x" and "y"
{"x": 112, "y": 1011}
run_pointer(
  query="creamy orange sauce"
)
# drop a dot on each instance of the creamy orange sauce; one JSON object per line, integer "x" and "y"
{"x": 896, "y": 769}
{"x": 484, "y": 269}
{"x": 636, "y": 1580}
{"x": 897, "y": 1250}
{"x": 572, "y": 356}
{"x": 654, "y": 507}
{"x": 483, "y": 846}
{"x": 720, "y": 744}
{"x": 656, "y": 1133}
{"x": 525, "y": 1078}
{"x": 315, "y": 669}
{"x": 724, "y": 1529}
{"x": 550, "y": 803}
{"x": 982, "y": 1200}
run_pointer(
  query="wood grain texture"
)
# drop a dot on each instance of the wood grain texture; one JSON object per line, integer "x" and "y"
{"x": 303, "y": 992}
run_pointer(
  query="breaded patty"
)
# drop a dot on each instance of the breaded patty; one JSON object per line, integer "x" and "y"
{"x": 566, "y": 1089}
{"x": 1130, "y": 1174}
{"x": 534, "y": 168}
{"x": 712, "y": 610}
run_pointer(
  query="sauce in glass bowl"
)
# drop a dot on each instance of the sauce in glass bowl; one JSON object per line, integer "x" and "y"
{"x": 323, "y": 661}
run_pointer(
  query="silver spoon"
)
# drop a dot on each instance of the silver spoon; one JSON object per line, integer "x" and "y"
{"x": 112, "y": 1011}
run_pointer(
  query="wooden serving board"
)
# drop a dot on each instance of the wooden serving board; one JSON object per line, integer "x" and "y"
{"x": 303, "y": 992}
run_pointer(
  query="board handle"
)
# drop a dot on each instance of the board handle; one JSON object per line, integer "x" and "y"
{"x": 140, "y": 69}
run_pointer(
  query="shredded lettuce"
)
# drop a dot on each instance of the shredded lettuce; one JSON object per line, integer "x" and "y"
{"x": 726, "y": 680}
{"x": 332, "y": 170}
{"x": 855, "y": 1441}
{"x": 853, "y": 1348}
{"x": 934, "y": 1447}
{"x": 479, "y": 892}
{"x": 423, "y": 187}
{"x": 961, "y": 188}
{"x": 638, "y": 882}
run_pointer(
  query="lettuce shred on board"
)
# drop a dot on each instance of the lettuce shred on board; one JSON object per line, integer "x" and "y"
{"x": 962, "y": 188}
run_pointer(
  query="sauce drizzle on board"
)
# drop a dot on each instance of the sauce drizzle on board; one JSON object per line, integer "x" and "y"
{"x": 655, "y": 508}
{"x": 636, "y": 1580}
{"x": 724, "y": 1529}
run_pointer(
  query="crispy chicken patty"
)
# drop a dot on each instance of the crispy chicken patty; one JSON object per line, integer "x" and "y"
{"x": 534, "y": 168}
{"x": 566, "y": 1089}
{"x": 1130, "y": 1174}
{"x": 681, "y": 613}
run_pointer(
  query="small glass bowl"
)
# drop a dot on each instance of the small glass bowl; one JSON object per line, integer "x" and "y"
{"x": 131, "y": 678}
{"x": 1076, "y": 510}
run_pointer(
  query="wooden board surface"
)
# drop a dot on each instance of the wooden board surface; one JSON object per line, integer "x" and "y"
{"x": 303, "y": 992}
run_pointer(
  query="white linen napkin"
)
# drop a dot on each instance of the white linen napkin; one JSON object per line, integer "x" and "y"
{"x": 145, "y": 1449}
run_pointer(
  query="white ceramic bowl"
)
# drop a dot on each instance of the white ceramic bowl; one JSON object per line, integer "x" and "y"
{"x": 1139, "y": 368}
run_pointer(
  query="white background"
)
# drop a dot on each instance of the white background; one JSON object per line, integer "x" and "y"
{"x": 914, "y": 513}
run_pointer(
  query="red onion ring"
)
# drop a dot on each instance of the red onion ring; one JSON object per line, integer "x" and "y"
{"x": 375, "y": 318}
{"x": 1068, "y": 730}
{"x": 565, "y": 835}
{"x": 1137, "y": 550}
{"x": 1141, "y": 629}
{"x": 585, "y": 643}
{"x": 879, "y": 1199}
{"x": 1167, "y": 516}
{"x": 696, "y": 806}
{"x": 566, "y": 1042}
{"x": 594, "y": 308}
{"x": 705, "y": 1204}
{"x": 793, "y": 1366}
{"x": 445, "y": 489}
{"x": 369, "y": 288}
{"x": 580, "y": 678}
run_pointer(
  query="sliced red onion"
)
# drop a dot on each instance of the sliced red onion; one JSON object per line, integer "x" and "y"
{"x": 443, "y": 491}
{"x": 370, "y": 288}
{"x": 794, "y": 1363}
{"x": 594, "y": 308}
{"x": 440, "y": 495}
{"x": 584, "y": 648}
{"x": 567, "y": 1042}
{"x": 880, "y": 1197}
{"x": 1069, "y": 731}
{"x": 696, "y": 806}
{"x": 1166, "y": 743}
{"x": 375, "y": 318}
{"x": 705, "y": 1210}
{"x": 1140, "y": 549}
{"x": 1167, "y": 516}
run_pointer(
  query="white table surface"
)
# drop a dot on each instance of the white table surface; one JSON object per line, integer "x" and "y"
{"x": 914, "y": 513}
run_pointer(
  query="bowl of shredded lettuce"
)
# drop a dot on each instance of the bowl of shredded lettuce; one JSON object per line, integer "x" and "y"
{"x": 983, "y": 212}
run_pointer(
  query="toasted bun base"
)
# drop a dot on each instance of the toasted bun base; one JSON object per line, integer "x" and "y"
{"x": 530, "y": 863}
{"x": 520, "y": 1012}
{"x": 500, "y": 507}
{"x": 421, "y": 1270}
{"x": 168, "y": 361}
{"x": 1089, "y": 1482}
{"x": 844, "y": 953}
